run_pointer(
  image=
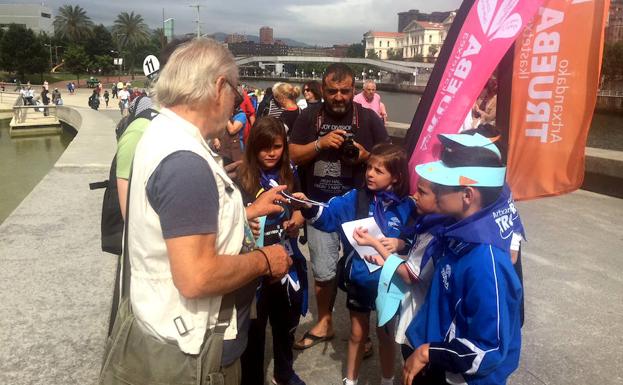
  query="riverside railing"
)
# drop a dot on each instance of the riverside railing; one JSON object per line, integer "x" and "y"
{"x": 23, "y": 115}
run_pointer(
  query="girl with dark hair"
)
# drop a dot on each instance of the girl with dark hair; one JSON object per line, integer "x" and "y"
{"x": 282, "y": 302}
{"x": 385, "y": 198}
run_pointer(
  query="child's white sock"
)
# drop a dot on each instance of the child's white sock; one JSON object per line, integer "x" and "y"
{"x": 387, "y": 381}
{"x": 347, "y": 381}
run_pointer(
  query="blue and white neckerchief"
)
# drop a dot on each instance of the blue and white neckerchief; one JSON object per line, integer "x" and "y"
{"x": 293, "y": 279}
{"x": 267, "y": 176}
{"x": 381, "y": 200}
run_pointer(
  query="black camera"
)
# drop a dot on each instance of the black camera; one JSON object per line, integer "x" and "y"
{"x": 349, "y": 153}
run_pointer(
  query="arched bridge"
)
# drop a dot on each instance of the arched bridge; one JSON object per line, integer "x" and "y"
{"x": 394, "y": 66}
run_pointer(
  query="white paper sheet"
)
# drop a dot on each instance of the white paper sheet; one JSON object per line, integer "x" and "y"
{"x": 373, "y": 230}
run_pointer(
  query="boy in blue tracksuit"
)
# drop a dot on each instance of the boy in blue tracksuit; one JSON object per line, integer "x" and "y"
{"x": 468, "y": 329}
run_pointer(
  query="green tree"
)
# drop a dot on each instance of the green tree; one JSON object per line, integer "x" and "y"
{"x": 418, "y": 57}
{"x": 372, "y": 54}
{"x": 22, "y": 52}
{"x": 72, "y": 23}
{"x": 356, "y": 50}
{"x": 76, "y": 60}
{"x": 158, "y": 39}
{"x": 394, "y": 54}
{"x": 432, "y": 51}
{"x": 130, "y": 32}
{"x": 100, "y": 42}
{"x": 103, "y": 62}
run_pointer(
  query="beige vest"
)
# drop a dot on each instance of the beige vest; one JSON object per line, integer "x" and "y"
{"x": 156, "y": 302}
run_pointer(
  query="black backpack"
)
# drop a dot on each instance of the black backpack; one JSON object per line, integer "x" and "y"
{"x": 364, "y": 197}
{"x": 112, "y": 221}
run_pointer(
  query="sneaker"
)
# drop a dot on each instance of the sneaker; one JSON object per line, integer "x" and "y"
{"x": 294, "y": 380}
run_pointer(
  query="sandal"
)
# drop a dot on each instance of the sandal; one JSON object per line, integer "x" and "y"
{"x": 315, "y": 340}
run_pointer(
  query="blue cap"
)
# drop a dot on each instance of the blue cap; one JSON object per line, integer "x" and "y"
{"x": 391, "y": 290}
{"x": 438, "y": 172}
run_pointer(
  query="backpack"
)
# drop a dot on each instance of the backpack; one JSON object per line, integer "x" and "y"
{"x": 94, "y": 102}
{"x": 249, "y": 110}
{"x": 264, "y": 107}
{"x": 112, "y": 221}
{"x": 344, "y": 265}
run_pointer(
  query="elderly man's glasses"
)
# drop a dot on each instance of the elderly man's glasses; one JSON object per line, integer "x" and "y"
{"x": 238, "y": 98}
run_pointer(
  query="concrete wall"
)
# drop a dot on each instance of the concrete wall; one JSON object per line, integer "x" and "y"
{"x": 55, "y": 281}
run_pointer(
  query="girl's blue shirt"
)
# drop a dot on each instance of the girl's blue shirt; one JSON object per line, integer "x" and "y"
{"x": 341, "y": 209}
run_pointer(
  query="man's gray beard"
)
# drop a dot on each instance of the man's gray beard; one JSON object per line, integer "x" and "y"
{"x": 338, "y": 111}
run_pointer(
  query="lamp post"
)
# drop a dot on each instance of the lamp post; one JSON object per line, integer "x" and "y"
{"x": 313, "y": 74}
{"x": 363, "y": 74}
{"x": 50, "y": 48}
{"x": 121, "y": 64}
{"x": 56, "y": 47}
{"x": 379, "y": 75}
{"x": 117, "y": 62}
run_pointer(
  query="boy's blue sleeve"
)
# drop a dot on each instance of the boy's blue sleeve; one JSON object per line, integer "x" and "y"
{"x": 490, "y": 307}
{"x": 341, "y": 209}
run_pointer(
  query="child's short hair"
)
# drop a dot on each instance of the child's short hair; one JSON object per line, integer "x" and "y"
{"x": 394, "y": 158}
{"x": 462, "y": 156}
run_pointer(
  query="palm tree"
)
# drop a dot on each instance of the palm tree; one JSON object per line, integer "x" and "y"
{"x": 130, "y": 32}
{"x": 72, "y": 23}
{"x": 159, "y": 38}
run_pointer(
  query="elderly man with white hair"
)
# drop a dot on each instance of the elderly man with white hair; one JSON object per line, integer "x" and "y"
{"x": 192, "y": 262}
{"x": 369, "y": 99}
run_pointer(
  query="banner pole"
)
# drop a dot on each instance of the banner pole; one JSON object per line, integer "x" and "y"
{"x": 419, "y": 118}
{"x": 503, "y": 108}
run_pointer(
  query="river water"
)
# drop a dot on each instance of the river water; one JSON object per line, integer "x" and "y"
{"x": 606, "y": 129}
{"x": 24, "y": 162}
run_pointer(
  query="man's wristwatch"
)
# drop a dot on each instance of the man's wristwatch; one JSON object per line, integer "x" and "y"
{"x": 317, "y": 145}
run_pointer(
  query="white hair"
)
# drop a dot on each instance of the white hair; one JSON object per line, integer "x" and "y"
{"x": 189, "y": 77}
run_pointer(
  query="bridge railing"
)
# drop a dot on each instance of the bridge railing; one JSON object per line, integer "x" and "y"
{"x": 612, "y": 93}
{"x": 22, "y": 114}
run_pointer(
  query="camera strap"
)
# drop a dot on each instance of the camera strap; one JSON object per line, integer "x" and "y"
{"x": 355, "y": 121}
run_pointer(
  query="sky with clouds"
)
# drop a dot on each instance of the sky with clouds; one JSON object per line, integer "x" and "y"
{"x": 320, "y": 22}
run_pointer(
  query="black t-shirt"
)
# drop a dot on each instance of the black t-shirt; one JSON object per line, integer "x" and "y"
{"x": 327, "y": 175}
{"x": 288, "y": 117}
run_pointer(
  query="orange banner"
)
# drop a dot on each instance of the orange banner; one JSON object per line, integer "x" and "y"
{"x": 554, "y": 89}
